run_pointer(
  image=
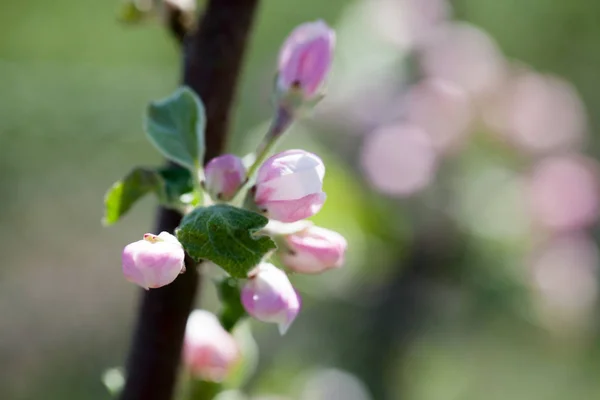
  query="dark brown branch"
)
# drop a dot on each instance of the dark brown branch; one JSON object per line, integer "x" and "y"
{"x": 176, "y": 23}
{"x": 212, "y": 61}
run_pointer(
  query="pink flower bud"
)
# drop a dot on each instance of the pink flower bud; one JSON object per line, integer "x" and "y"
{"x": 314, "y": 250}
{"x": 209, "y": 351}
{"x": 269, "y": 296}
{"x": 154, "y": 261}
{"x": 223, "y": 176}
{"x": 305, "y": 58}
{"x": 289, "y": 185}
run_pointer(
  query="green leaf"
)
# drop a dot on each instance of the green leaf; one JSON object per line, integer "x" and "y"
{"x": 124, "y": 193}
{"x": 175, "y": 126}
{"x": 226, "y": 236}
{"x": 178, "y": 181}
{"x": 232, "y": 309}
{"x": 130, "y": 13}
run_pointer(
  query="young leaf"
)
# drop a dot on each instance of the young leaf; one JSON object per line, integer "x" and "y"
{"x": 178, "y": 181}
{"x": 224, "y": 235}
{"x": 124, "y": 193}
{"x": 175, "y": 126}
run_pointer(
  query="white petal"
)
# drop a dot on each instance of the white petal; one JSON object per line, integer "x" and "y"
{"x": 295, "y": 186}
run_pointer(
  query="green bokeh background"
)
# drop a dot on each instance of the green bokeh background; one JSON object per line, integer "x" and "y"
{"x": 73, "y": 84}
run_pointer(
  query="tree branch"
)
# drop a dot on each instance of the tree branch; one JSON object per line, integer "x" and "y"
{"x": 212, "y": 61}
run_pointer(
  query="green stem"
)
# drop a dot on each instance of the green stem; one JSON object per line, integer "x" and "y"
{"x": 281, "y": 122}
{"x": 232, "y": 310}
{"x": 202, "y": 390}
{"x": 263, "y": 152}
{"x": 197, "y": 178}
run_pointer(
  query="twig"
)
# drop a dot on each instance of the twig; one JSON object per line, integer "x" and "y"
{"x": 212, "y": 61}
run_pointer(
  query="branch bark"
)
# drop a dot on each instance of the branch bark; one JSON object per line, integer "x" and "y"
{"x": 212, "y": 59}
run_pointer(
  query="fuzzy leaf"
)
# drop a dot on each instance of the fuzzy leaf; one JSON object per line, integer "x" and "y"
{"x": 175, "y": 126}
{"x": 226, "y": 236}
{"x": 124, "y": 193}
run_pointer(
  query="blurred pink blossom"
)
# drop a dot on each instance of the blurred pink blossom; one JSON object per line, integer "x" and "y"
{"x": 442, "y": 109}
{"x": 564, "y": 192}
{"x": 538, "y": 113}
{"x": 209, "y": 351}
{"x": 564, "y": 274}
{"x": 399, "y": 159}
{"x": 465, "y": 55}
{"x": 408, "y": 22}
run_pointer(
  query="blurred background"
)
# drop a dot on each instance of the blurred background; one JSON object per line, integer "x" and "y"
{"x": 461, "y": 144}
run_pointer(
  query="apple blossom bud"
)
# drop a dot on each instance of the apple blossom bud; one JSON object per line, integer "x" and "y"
{"x": 314, "y": 250}
{"x": 289, "y": 186}
{"x": 209, "y": 351}
{"x": 305, "y": 58}
{"x": 154, "y": 261}
{"x": 269, "y": 296}
{"x": 223, "y": 176}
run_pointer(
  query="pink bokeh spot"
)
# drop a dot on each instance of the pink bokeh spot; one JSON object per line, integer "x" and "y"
{"x": 399, "y": 160}
{"x": 564, "y": 274}
{"x": 407, "y": 23}
{"x": 538, "y": 113}
{"x": 564, "y": 192}
{"x": 442, "y": 110}
{"x": 465, "y": 55}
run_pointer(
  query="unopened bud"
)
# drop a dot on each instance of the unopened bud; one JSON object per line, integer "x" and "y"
{"x": 223, "y": 176}
{"x": 304, "y": 61}
{"x": 270, "y": 297}
{"x": 154, "y": 261}
{"x": 314, "y": 250}
{"x": 289, "y": 186}
{"x": 209, "y": 351}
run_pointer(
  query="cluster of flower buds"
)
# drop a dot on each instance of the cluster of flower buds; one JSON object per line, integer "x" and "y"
{"x": 288, "y": 188}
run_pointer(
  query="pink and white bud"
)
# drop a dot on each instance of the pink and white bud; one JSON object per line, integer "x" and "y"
{"x": 223, "y": 176}
{"x": 209, "y": 351}
{"x": 314, "y": 250}
{"x": 305, "y": 58}
{"x": 270, "y": 297}
{"x": 289, "y": 186}
{"x": 154, "y": 261}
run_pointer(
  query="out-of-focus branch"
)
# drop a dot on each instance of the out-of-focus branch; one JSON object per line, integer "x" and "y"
{"x": 175, "y": 21}
{"x": 212, "y": 61}
{"x": 213, "y": 58}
